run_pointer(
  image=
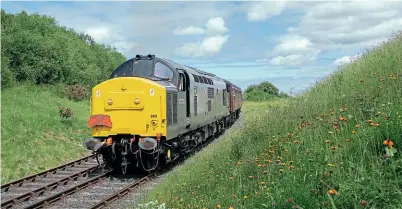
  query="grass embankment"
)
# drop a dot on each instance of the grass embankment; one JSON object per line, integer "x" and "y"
{"x": 33, "y": 137}
{"x": 324, "y": 149}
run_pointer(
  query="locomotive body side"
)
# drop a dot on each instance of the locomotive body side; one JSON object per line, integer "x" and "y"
{"x": 160, "y": 108}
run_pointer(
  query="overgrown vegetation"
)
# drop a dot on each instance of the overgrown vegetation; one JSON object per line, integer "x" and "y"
{"x": 336, "y": 146}
{"x": 45, "y": 66}
{"x": 263, "y": 92}
{"x": 33, "y": 135}
{"x": 34, "y": 48}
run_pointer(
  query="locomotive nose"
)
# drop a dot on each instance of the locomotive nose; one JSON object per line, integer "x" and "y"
{"x": 127, "y": 106}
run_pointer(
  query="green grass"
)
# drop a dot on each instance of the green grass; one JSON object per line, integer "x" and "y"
{"x": 33, "y": 138}
{"x": 316, "y": 150}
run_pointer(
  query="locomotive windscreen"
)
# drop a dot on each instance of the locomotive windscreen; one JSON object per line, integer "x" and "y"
{"x": 133, "y": 67}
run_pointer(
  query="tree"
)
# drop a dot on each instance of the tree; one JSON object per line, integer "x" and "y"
{"x": 263, "y": 91}
{"x": 36, "y": 49}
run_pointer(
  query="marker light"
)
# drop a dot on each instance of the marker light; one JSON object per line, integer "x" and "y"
{"x": 137, "y": 100}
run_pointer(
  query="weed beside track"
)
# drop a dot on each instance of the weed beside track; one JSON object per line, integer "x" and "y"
{"x": 338, "y": 144}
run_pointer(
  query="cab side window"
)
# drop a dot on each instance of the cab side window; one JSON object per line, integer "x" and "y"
{"x": 182, "y": 83}
{"x": 162, "y": 71}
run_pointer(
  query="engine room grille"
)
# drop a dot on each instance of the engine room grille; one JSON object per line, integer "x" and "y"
{"x": 169, "y": 112}
{"x": 210, "y": 93}
{"x": 171, "y": 109}
{"x": 195, "y": 105}
{"x": 209, "y": 106}
{"x": 174, "y": 97}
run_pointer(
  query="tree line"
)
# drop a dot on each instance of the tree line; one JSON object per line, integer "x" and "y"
{"x": 263, "y": 91}
{"x": 36, "y": 49}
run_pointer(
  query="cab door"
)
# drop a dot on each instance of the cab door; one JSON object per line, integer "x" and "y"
{"x": 183, "y": 112}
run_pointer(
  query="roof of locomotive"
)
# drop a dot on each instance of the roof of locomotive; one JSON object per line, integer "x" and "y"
{"x": 232, "y": 84}
{"x": 189, "y": 69}
{"x": 192, "y": 70}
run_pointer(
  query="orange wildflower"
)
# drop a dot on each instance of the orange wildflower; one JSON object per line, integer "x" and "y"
{"x": 342, "y": 119}
{"x": 390, "y": 143}
{"x": 332, "y": 192}
{"x": 363, "y": 202}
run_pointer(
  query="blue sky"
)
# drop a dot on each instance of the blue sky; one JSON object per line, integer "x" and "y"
{"x": 289, "y": 43}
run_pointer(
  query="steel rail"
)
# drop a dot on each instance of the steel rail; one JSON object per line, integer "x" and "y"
{"x": 122, "y": 192}
{"x": 28, "y": 195}
{"x": 54, "y": 198}
{"x": 33, "y": 177}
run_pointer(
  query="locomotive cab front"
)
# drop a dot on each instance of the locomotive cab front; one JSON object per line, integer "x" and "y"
{"x": 128, "y": 112}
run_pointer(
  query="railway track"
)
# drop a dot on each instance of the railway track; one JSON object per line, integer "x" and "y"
{"x": 80, "y": 184}
{"x": 34, "y": 187}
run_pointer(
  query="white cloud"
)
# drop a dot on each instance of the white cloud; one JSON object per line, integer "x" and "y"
{"x": 211, "y": 44}
{"x": 149, "y": 24}
{"x": 216, "y": 25}
{"x": 348, "y": 26}
{"x": 126, "y": 47}
{"x": 346, "y": 60}
{"x": 190, "y": 30}
{"x": 293, "y": 50}
{"x": 263, "y": 10}
{"x": 100, "y": 34}
{"x": 292, "y": 60}
{"x": 208, "y": 46}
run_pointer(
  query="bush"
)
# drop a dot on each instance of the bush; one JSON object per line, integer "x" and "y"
{"x": 263, "y": 91}
{"x": 7, "y": 77}
{"x": 44, "y": 52}
{"x": 76, "y": 92}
